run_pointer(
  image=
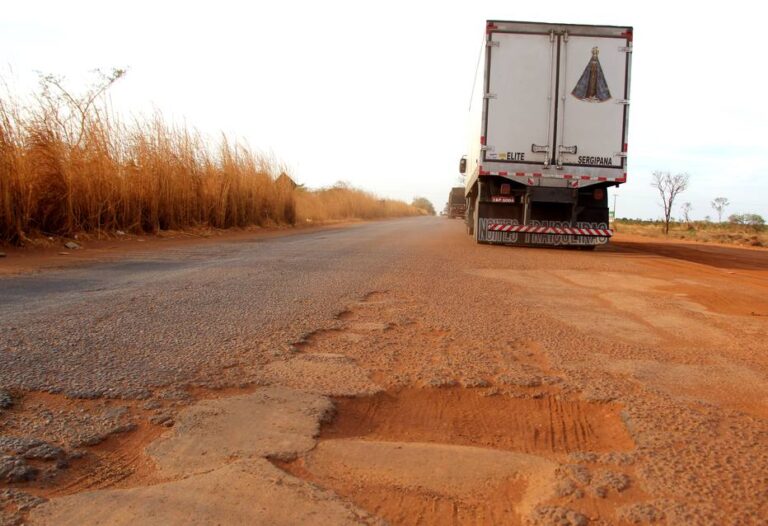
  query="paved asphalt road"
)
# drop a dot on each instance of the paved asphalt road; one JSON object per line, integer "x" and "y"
{"x": 185, "y": 315}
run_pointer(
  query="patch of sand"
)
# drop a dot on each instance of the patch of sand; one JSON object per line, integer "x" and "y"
{"x": 245, "y": 492}
{"x": 274, "y": 421}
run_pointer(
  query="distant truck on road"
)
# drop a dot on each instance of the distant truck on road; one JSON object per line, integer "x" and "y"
{"x": 457, "y": 203}
{"x": 548, "y": 133}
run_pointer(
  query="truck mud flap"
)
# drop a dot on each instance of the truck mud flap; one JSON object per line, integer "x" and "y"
{"x": 503, "y": 231}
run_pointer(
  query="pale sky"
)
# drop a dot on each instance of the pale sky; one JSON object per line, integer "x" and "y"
{"x": 376, "y": 93}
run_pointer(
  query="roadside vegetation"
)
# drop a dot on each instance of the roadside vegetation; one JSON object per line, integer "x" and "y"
{"x": 741, "y": 229}
{"x": 344, "y": 202}
{"x": 68, "y": 165}
{"x": 424, "y": 204}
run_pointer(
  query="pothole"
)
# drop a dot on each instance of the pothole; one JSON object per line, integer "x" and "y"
{"x": 88, "y": 444}
{"x": 453, "y": 455}
{"x": 376, "y": 296}
{"x": 549, "y": 424}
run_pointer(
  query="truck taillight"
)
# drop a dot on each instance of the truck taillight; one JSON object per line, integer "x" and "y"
{"x": 598, "y": 194}
{"x": 505, "y": 189}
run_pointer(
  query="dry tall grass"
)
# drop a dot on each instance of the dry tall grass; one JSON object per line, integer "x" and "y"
{"x": 67, "y": 167}
{"x": 343, "y": 202}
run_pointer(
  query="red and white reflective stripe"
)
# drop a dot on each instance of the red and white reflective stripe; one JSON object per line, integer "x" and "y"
{"x": 621, "y": 179}
{"x": 603, "y": 232}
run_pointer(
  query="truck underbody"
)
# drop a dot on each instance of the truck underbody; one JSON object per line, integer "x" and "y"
{"x": 456, "y": 211}
{"x": 503, "y": 212}
{"x": 457, "y": 206}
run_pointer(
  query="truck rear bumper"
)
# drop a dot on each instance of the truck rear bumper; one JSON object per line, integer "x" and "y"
{"x": 568, "y": 231}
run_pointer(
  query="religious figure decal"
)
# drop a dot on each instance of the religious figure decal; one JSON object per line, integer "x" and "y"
{"x": 592, "y": 86}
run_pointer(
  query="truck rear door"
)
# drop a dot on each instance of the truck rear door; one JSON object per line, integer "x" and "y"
{"x": 520, "y": 94}
{"x": 556, "y": 99}
{"x": 592, "y": 99}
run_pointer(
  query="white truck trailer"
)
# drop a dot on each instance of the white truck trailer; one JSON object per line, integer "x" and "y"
{"x": 548, "y": 133}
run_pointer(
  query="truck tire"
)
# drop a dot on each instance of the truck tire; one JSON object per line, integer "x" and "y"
{"x": 469, "y": 218}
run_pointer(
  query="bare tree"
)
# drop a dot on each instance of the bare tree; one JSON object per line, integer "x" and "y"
{"x": 719, "y": 204}
{"x": 686, "y": 210}
{"x": 669, "y": 187}
{"x": 53, "y": 93}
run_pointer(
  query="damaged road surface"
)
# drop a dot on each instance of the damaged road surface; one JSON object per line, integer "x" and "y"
{"x": 389, "y": 372}
{"x": 213, "y": 469}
